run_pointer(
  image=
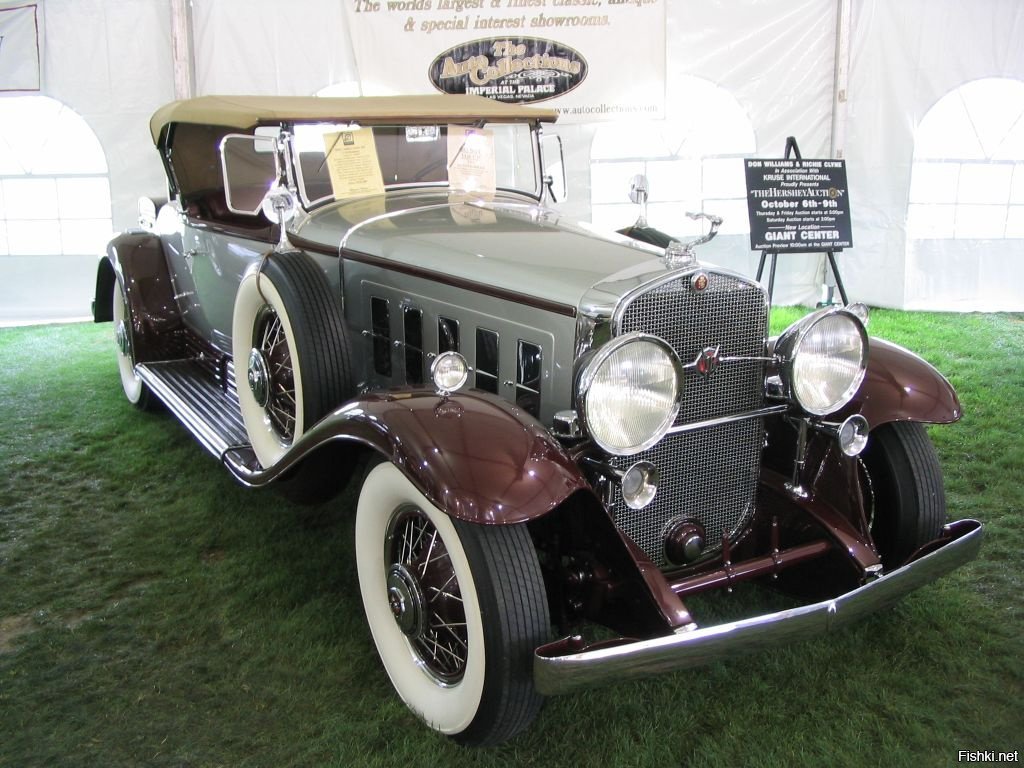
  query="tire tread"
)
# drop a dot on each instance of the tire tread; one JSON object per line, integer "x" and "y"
{"x": 511, "y": 573}
{"x": 904, "y": 460}
{"x": 322, "y": 342}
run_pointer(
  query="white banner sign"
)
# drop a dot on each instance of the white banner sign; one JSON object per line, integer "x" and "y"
{"x": 589, "y": 59}
{"x": 19, "y": 48}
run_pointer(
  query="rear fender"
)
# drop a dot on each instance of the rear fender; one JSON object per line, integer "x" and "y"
{"x": 475, "y": 456}
{"x": 136, "y": 260}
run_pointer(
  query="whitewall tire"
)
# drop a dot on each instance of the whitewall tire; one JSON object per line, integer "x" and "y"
{"x": 455, "y": 609}
{"x": 135, "y": 390}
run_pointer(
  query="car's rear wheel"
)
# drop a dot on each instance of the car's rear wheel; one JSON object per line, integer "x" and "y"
{"x": 905, "y": 483}
{"x": 135, "y": 389}
{"x": 456, "y": 610}
{"x": 290, "y": 351}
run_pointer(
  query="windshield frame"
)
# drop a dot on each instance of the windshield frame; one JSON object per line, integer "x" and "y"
{"x": 295, "y": 171}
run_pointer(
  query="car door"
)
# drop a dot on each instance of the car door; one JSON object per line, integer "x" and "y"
{"x": 230, "y": 237}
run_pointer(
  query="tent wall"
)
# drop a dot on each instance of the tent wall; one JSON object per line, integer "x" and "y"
{"x": 112, "y": 62}
{"x": 270, "y": 47}
{"x": 905, "y": 57}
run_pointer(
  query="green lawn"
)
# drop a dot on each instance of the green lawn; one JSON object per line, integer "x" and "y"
{"x": 155, "y": 613}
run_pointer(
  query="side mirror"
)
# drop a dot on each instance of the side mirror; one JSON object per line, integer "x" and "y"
{"x": 553, "y": 168}
{"x": 267, "y": 137}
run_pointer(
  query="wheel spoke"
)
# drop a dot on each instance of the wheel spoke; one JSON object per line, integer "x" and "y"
{"x": 287, "y": 396}
{"x": 410, "y": 527}
{"x": 430, "y": 549}
{"x": 458, "y": 637}
{"x": 284, "y": 420}
{"x": 442, "y": 655}
{"x": 441, "y": 591}
{"x": 266, "y": 343}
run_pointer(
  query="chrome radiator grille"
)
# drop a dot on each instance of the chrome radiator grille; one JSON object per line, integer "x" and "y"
{"x": 707, "y": 475}
{"x": 732, "y": 314}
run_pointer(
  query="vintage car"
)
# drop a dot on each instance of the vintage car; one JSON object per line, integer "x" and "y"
{"x": 560, "y": 435}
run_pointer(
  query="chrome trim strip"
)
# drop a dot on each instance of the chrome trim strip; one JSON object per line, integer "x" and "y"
{"x": 694, "y": 426}
{"x": 573, "y": 671}
{"x": 242, "y": 462}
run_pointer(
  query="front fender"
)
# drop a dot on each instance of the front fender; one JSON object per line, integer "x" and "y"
{"x": 901, "y": 386}
{"x": 475, "y": 456}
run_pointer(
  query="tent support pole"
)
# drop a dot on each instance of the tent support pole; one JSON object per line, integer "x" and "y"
{"x": 182, "y": 50}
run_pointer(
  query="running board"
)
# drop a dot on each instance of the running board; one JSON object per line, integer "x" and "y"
{"x": 210, "y": 412}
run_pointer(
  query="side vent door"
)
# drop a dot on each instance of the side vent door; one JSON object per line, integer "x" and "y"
{"x": 404, "y": 331}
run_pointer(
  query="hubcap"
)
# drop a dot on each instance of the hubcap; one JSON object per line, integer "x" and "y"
{"x": 406, "y": 600}
{"x": 258, "y": 375}
{"x": 123, "y": 339}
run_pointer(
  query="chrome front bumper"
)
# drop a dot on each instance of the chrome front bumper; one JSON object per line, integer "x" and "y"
{"x": 558, "y": 669}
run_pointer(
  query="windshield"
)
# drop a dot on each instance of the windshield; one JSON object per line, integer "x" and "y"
{"x": 339, "y": 161}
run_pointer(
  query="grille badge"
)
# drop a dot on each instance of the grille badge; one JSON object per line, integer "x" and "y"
{"x": 699, "y": 281}
{"x": 708, "y": 361}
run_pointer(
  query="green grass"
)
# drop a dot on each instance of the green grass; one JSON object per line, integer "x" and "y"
{"x": 155, "y": 613}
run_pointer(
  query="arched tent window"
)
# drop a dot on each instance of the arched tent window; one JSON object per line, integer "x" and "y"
{"x": 54, "y": 190}
{"x": 967, "y": 180}
{"x": 693, "y": 161}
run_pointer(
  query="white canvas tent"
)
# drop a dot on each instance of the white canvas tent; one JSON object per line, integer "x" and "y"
{"x": 860, "y": 79}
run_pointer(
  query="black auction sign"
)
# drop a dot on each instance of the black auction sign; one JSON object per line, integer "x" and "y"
{"x": 798, "y": 206}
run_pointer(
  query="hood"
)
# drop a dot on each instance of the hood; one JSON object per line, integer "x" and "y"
{"x": 509, "y": 242}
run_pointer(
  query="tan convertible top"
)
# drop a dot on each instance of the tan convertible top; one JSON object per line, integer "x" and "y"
{"x": 246, "y": 112}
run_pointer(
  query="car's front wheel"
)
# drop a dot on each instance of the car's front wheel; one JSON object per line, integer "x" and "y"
{"x": 290, "y": 352}
{"x": 456, "y": 610}
{"x": 905, "y": 483}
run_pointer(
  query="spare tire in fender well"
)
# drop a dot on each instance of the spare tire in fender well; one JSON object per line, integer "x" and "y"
{"x": 288, "y": 331}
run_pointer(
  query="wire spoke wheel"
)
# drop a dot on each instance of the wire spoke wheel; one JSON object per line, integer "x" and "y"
{"x": 271, "y": 342}
{"x": 424, "y": 594}
{"x": 456, "y": 610}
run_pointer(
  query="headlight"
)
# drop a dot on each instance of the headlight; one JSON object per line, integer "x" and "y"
{"x": 823, "y": 358}
{"x": 629, "y": 393}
